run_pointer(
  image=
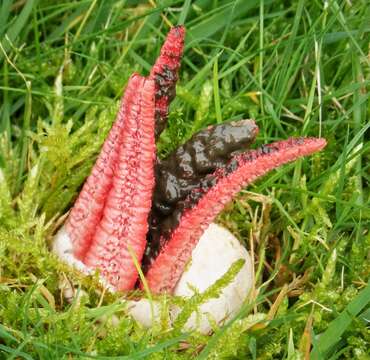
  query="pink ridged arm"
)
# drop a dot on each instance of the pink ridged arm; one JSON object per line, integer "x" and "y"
{"x": 165, "y": 74}
{"x": 168, "y": 267}
{"x": 88, "y": 208}
{"x": 171, "y": 52}
{"x": 124, "y": 225}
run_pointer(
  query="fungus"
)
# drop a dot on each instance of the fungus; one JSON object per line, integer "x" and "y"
{"x": 132, "y": 201}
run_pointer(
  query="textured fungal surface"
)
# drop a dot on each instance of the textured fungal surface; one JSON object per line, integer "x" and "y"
{"x": 165, "y": 75}
{"x": 241, "y": 170}
{"x": 120, "y": 226}
{"x": 187, "y": 168}
{"x": 88, "y": 208}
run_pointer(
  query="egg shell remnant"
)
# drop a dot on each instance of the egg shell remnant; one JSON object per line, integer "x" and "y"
{"x": 212, "y": 257}
{"x": 63, "y": 248}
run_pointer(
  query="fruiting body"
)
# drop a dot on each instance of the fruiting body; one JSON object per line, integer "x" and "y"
{"x": 107, "y": 228}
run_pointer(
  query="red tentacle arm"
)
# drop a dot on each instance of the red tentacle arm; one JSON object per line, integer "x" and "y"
{"x": 121, "y": 233}
{"x": 88, "y": 208}
{"x": 165, "y": 74}
{"x": 245, "y": 168}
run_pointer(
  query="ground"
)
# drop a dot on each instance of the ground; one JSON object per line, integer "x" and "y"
{"x": 297, "y": 68}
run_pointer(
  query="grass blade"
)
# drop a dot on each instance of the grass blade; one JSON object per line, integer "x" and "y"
{"x": 338, "y": 326}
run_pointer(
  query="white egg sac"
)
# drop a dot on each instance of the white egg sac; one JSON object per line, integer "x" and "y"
{"x": 215, "y": 252}
{"x": 62, "y": 246}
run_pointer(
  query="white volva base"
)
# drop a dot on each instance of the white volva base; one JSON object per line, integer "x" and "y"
{"x": 62, "y": 246}
{"x": 215, "y": 252}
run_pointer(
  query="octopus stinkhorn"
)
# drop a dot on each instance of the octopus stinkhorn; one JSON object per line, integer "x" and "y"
{"x": 134, "y": 207}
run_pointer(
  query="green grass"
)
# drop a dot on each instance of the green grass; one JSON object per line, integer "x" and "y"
{"x": 298, "y": 68}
